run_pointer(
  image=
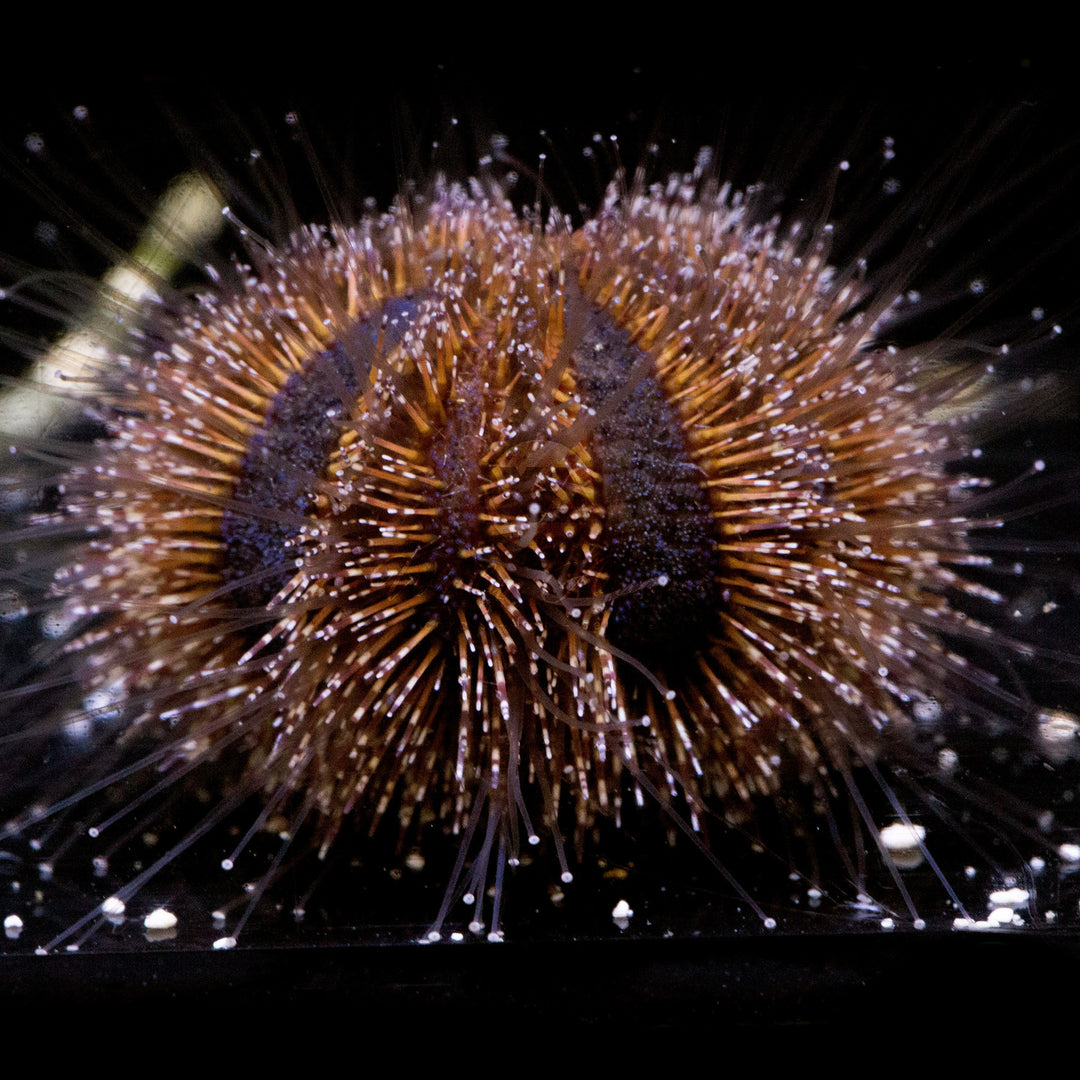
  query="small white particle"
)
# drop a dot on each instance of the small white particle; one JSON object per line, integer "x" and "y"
{"x": 1057, "y": 726}
{"x": 901, "y": 837}
{"x": 622, "y": 910}
{"x": 1003, "y": 916}
{"x": 1013, "y": 897}
{"x": 159, "y": 919}
{"x": 114, "y": 906}
{"x": 225, "y": 943}
{"x": 927, "y": 711}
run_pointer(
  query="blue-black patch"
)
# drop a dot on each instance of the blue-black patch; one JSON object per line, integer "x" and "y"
{"x": 273, "y": 492}
{"x": 658, "y": 522}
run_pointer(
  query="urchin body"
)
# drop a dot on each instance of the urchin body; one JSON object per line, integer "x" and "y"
{"x": 449, "y": 515}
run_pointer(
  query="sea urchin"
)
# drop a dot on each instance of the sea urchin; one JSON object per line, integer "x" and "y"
{"x": 451, "y": 515}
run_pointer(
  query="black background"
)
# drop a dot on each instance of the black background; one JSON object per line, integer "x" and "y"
{"x": 996, "y": 128}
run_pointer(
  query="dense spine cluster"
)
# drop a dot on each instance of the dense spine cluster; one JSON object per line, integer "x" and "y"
{"x": 451, "y": 515}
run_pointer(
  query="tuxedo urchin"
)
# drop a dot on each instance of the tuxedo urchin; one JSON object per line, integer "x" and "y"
{"x": 464, "y": 519}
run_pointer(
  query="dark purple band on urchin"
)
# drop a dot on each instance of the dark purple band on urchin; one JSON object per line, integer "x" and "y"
{"x": 658, "y": 522}
{"x": 660, "y": 550}
{"x": 303, "y": 425}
